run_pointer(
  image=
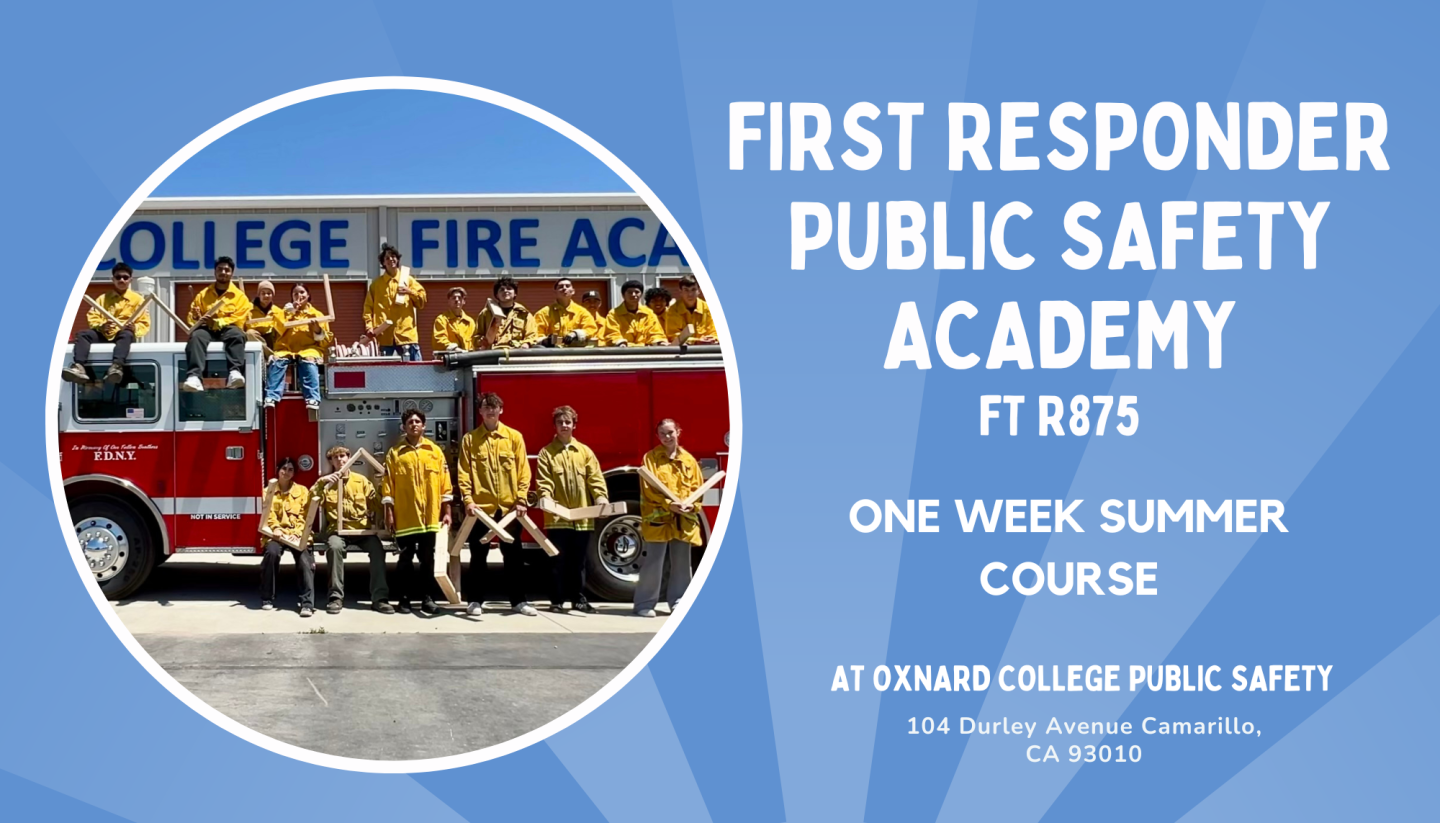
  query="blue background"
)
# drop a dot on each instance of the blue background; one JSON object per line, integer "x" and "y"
{"x": 1327, "y": 400}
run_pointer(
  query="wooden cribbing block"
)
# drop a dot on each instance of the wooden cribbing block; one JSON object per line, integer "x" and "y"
{"x": 700, "y": 492}
{"x": 180, "y": 321}
{"x": 685, "y": 334}
{"x": 445, "y": 568}
{"x": 457, "y": 538}
{"x": 584, "y": 512}
{"x": 361, "y": 532}
{"x": 650, "y": 478}
{"x": 279, "y": 538}
{"x": 309, "y": 519}
{"x": 537, "y": 535}
{"x": 290, "y": 324}
{"x": 270, "y": 489}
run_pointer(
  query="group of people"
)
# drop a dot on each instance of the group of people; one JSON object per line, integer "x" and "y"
{"x": 415, "y": 500}
{"x": 298, "y": 333}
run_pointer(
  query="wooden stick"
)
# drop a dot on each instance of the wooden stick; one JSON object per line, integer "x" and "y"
{"x": 700, "y": 492}
{"x": 549, "y": 506}
{"x": 370, "y": 458}
{"x": 584, "y": 512}
{"x": 649, "y": 477}
{"x": 685, "y": 334}
{"x": 290, "y": 324}
{"x": 103, "y": 313}
{"x": 279, "y": 538}
{"x": 538, "y": 536}
{"x": 177, "y": 318}
{"x": 310, "y": 518}
{"x": 457, "y": 537}
{"x": 360, "y": 532}
{"x": 442, "y": 567}
{"x": 270, "y": 489}
{"x": 329, "y": 299}
{"x": 497, "y": 528}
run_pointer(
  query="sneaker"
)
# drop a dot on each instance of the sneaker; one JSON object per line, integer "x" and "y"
{"x": 559, "y": 608}
{"x": 428, "y": 606}
{"x": 312, "y": 405}
{"x": 115, "y": 373}
{"x": 192, "y": 384}
{"x": 382, "y": 607}
{"x": 403, "y": 607}
{"x": 527, "y": 610}
{"x": 473, "y": 610}
{"x": 267, "y": 606}
{"x": 584, "y": 606}
{"x": 644, "y": 612}
{"x": 269, "y": 404}
{"x": 334, "y": 607}
{"x": 306, "y": 611}
{"x": 236, "y": 381}
{"x": 76, "y": 373}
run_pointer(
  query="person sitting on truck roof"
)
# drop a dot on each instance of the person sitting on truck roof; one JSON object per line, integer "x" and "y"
{"x": 565, "y": 322}
{"x": 301, "y": 343}
{"x": 285, "y": 520}
{"x": 122, "y": 304}
{"x": 454, "y": 329}
{"x": 416, "y": 494}
{"x": 658, "y": 299}
{"x": 592, "y": 303}
{"x": 391, "y": 306}
{"x": 505, "y": 323}
{"x": 631, "y": 324}
{"x": 494, "y": 477}
{"x": 668, "y": 528}
{"x": 691, "y": 311}
{"x": 569, "y": 473}
{"x": 361, "y": 509}
{"x": 266, "y": 318}
{"x": 218, "y": 312}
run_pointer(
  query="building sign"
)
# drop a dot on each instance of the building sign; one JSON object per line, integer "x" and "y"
{"x": 291, "y": 244}
{"x": 537, "y": 242}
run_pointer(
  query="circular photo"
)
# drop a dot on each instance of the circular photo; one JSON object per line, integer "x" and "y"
{"x": 394, "y": 426}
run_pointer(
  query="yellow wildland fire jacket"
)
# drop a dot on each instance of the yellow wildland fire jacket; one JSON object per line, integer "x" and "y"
{"x": 638, "y": 328}
{"x": 451, "y": 329}
{"x": 122, "y": 307}
{"x": 416, "y": 486}
{"x": 494, "y": 471}
{"x": 680, "y": 475}
{"x": 383, "y": 304}
{"x": 677, "y": 317}
{"x": 230, "y": 309}
{"x": 561, "y": 320}
{"x": 287, "y": 512}
{"x": 569, "y": 474}
{"x": 517, "y": 327}
{"x": 300, "y": 341}
{"x": 362, "y": 503}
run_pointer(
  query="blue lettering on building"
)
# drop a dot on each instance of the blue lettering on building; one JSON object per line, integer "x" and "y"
{"x": 519, "y": 242}
{"x": 328, "y": 244}
{"x": 473, "y": 243}
{"x": 583, "y": 230}
{"x": 418, "y": 241}
{"x": 156, "y": 254}
{"x": 663, "y": 248}
{"x": 301, "y": 260}
{"x": 617, "y": 249}
{"x": 209, "y": 244}
{"x": 244, "y": 243}
{"x": 177, "y": 259}
{"x": 452, "y": 244}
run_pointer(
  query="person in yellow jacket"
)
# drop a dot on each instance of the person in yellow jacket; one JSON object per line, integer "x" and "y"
{"x": 690, "y": 310}
{"x": 631, "y": 324}
{"x": 391, "y": 306}
{"x": 669, "y": 529}
{"x": 122, "y": 304}
{"x": 350, "y": 503}
{"x": 513, "y": 327}
{"x": 454, "y": 329}
{"x": 416, "y": 494}
{"x": 218, "y": 312}
{"x": 592, "y": 303}
{"x": 569, "y": 473}
{"x": 494, "y": 477}
{"x": 304, "y": 345}
{"x": 286, "y": 518}
{"x": 266, "y": 318}
{"x": 565, "y": 322}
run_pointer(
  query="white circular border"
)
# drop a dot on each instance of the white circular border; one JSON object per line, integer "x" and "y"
{"x": 52, "y": 435}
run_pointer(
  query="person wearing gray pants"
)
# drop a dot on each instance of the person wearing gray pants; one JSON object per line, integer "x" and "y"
{"x": 668, "y": 528}
{"x": 350, "y": 502}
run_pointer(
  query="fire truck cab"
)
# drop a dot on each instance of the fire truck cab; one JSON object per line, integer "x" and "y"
{"x": 151, "y": 471}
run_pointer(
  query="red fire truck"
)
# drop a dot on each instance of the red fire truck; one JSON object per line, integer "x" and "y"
{"x": 151, "y": 471}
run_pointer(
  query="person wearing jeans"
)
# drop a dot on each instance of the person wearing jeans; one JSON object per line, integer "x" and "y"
{"x": 669, "y": 529}
{"x": 122, "y": 304}
{"x": 303, "y": 344}
{"x": 391, "y": 306}
{"x": 218, "y": 312}
{"x": 569, "y": 474}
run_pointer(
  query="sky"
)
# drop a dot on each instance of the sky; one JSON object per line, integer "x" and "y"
{"x": 390, "y": 142}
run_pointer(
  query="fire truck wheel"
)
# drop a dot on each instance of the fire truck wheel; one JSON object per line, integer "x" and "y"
{"x": 612, "y": 566}
{"x": 115, "y": 543}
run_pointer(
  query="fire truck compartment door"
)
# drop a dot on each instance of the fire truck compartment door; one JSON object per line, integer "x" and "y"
{"x": 218, "y": 466}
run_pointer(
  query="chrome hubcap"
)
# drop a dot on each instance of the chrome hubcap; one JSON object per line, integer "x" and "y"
{"x": 620, "y": 546}
{"x": 105, "y": 545}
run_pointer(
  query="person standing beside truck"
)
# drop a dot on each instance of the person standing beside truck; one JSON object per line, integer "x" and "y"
{"x": 494, "y": 476}
{"x": 631, "y": 324}
{"x": 304, "y": 345}
{"x": 218, "y": 312}
{"x": 286, "y": 519}
{"x": 351, "y": 503}
{"x": 391, "y": 306}
{"x": 513, "y": 326}
{"x": 690, "y": 311}
{"x": 416, "y": 494}
{"x": 569, "y": 474}
{"x": 668, "y": 528}
{"x": 122, "y": 304}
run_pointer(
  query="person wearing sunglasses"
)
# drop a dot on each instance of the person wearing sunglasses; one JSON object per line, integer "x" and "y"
{"x": 122, "y": 304}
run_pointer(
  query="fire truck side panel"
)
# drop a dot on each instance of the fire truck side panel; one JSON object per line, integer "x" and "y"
{"x": 220, "y": 504}
{"x": 606, "y": 403}
{"x": 142, "y": 458}
{"x": 289, "y": 432}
